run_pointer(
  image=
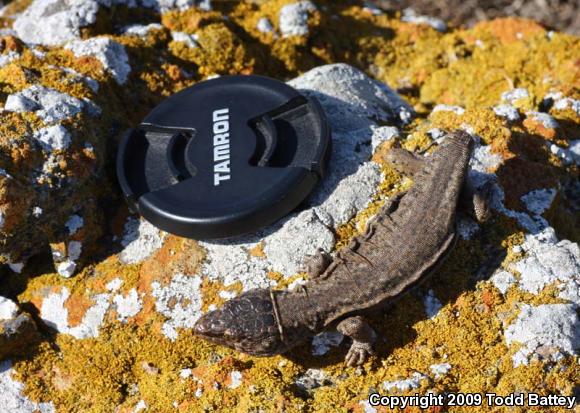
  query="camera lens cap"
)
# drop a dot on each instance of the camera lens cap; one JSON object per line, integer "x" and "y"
{"x": 224, "y": 157}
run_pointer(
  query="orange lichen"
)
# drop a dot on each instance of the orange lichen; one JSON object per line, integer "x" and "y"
{"x": 509, "y": 29}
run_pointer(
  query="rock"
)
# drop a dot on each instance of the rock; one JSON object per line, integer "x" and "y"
{"x": 507, "y": 111}
{"x": 111, "y": 54}
{"x": 62, "y": 20}
{"x": 553, "y": 326}
{"x": 17, "y": 335}
{"x": 52, "y": 138}
{"x": 312, "y": 379}
{"x": 348, "y": 93}
{"x": 8, "y": 309}
{"x": 294, "y": 18}
{"x": 410, "y": 16}
{"x": 11, "y": 398}
{"x": 140, "y": 240}
{"x": 190, "y": 40}
{"x": 264, "y": 25}
{"x": 49, "y": 104}
{"x": 414, "y": 382}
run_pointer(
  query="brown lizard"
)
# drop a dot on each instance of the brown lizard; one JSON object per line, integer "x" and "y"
{"x": 402, "y": 245}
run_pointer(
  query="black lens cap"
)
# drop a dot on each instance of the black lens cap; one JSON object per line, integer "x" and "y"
{"x": 224, "y": 157}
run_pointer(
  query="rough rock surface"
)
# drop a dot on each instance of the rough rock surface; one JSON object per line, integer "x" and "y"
{"x": 114, "y": 299}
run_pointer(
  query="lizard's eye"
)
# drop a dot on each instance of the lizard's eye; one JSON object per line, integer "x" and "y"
{"x": 246, "y": 323}
{"x": 211, "y": 325}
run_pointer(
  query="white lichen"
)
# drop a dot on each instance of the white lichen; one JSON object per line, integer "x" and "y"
{"x": 502, "y": 280}
{"x": 49, "y": 104}
{"x": 235, "y": 379}
{"x": 264, "y": 25}
{"x": 140, "y": 240}
{"x": 141, "y": 30}
{"x": 413, "y": 382}
{"x": 8, "y": 309}
{"x": 12, "y": 398}
{"x": 114, "y": 284}
{"x": 410, "y": 16}
{"x": 546, "y": 120}
{"x": 190, "y": 40}
{"x": 432, "y": 304}
{"x": 539, "y": 200}
{"x": 293, "y": 18}
{"x": 52, "y": 138}
{"x": 74, "y": 223}
{"x": 448, "y": 108}
{"x": 321, "y": 343}
{"x": 440, "y": 370}
{"x": 383, "y": 134}
{"x": 54, "y": 314}
{"x": 513, "y": 95}
{"x": 508, "y": 112}
{"x": 548, "y": 261}
{"x": 127, "y": 306}
{"x": 180, "y": 301}
{"x": 545, "y": 332}
{"x": 111, "y": 54}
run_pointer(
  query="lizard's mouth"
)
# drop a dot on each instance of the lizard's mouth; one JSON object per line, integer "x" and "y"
{"x": 210, "y": 326}
{"x": 246, "y": 323}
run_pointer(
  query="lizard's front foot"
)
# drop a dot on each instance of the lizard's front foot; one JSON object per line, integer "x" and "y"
{"x": 358, "y": 353}
{"x": 363, "y": 338}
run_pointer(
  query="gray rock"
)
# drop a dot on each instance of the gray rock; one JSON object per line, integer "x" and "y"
{"x": 545, "y": 331}
{"x": 549, "y": 261}
{"x": 61, "y": 21}
{"x": 539, "y": 200}
{"x": 49, "y": 104}
{"x": 54, "y": 137}
{"x": 287, "y": 247}
{"x": 507, "y": 111}
{"x": 347, "y": 93}
{"x": 293, "y": 18}
{"x": 17, "y": 334}
{"x": 111, "y": 54}
{"x": 312, "y": 379}
{"x": 512, "y": 95}
{"x": 546, "y": 120}
{"x": 410, "y": 16}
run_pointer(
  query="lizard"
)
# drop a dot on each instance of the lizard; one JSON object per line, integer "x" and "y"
{"x": 402, "y": 245}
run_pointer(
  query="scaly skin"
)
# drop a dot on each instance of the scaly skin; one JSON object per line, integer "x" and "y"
{"x": 403, "y": 244}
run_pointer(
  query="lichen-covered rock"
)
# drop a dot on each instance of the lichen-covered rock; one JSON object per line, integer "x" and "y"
{"x": 18, "y": 332}
{"x": 115, "y": 298}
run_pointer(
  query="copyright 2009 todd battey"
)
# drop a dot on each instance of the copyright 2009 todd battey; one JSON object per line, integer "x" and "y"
{"x": 472, "y": 400}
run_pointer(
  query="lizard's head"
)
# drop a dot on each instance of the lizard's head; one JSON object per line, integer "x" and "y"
{"x": 246, "y": 323}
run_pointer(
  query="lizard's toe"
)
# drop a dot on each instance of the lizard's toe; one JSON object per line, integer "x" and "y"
{"x": 358, "y": 354}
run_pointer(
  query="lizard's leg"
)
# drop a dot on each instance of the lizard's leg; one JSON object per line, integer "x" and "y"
{"x": 404, "y": 161}
{"x": 363, "y": 337}
{"x": 476, "y": 202}
{"x": 316, "y": 264}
